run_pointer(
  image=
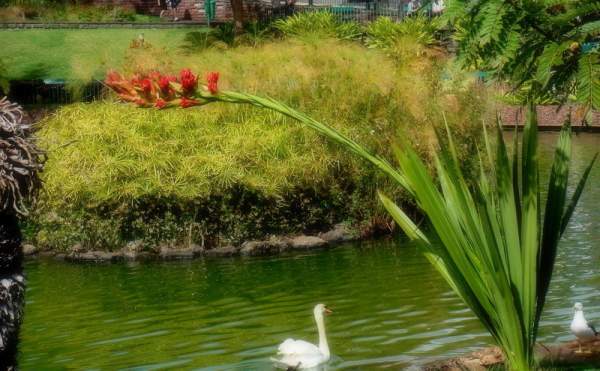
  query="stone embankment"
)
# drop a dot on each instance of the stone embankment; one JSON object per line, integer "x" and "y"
{"x": 136, "y": 250}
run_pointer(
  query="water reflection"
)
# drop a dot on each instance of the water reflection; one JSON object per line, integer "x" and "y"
{"x": 391, "y": 308}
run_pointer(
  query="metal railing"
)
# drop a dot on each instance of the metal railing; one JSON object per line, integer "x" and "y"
{"x": 355, "y": 10}
{"x": 42, "y": 92}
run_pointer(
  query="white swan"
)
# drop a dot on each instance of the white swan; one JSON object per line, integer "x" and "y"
{"x": 300, "y": 354}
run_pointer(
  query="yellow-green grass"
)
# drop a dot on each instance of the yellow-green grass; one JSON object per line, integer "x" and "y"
{"x": 117, "y": 173}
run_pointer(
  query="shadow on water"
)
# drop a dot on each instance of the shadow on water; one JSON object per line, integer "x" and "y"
{"x": 391, "y": 308}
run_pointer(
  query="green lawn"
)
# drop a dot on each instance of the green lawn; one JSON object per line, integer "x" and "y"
{"x": 76, "y": 54}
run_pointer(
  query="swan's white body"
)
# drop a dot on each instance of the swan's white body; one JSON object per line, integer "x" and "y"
{"x": 580, "y": 326}
{"x": 302, "y": 354}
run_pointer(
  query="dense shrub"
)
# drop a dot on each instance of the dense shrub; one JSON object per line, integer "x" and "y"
{"x": 412, "y": 36}
{"x": 221, "y": 174}
{"x": 318, "y": 24}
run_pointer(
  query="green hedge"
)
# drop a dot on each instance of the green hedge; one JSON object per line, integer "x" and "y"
{"x": 222, "y": 174}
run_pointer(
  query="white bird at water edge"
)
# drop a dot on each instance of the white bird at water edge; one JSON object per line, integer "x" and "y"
{"x": 300, "y": 354}
{"x": 583, "y": 330}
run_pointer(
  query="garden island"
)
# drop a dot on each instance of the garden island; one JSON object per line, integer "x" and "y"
{"x": 201, "y": 184}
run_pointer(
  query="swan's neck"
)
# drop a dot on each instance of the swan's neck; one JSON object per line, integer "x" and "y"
{"x": 323, "y": 346}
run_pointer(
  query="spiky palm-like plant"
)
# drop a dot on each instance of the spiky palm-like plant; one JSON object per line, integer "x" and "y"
{"x": 488, "y": 241}
{"x": 20, "y": 164}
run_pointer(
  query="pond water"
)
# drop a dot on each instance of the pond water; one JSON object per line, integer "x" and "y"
{"x": 392, "y": 310}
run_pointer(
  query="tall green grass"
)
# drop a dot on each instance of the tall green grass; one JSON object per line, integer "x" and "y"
{"x": 117, "y": 173}
{"x": 318, "y": 24}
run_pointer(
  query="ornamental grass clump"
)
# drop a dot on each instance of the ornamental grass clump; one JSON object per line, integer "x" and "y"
{"x": 487, "y": 239}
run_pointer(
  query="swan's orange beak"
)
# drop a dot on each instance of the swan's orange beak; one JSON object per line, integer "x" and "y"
{"x": 328, "y": 311}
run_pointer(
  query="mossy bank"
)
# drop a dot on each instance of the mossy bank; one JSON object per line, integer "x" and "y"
{"x": 221, "y": 175}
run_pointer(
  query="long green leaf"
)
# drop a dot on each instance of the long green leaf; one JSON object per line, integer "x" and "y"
{"x": 575, "y": 198}
{"x": 588, "y": 77}
{"x": 555, "y": 204}
{"x": 487, "y": 239}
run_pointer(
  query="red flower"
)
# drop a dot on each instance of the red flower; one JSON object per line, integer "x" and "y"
{"x": 136, "y": 80}
{"x": 160, "y": 103}
{"x": 146, "y": 85}
{"x": 164, "y": 83}
{"x": 212, "y": 78}
{"x": 189, "y": 81}
{"x": 185, "y": 102}
{"x": 116, "y": 82}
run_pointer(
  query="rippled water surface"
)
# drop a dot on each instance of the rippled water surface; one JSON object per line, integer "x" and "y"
{"x": 391, "y": 308}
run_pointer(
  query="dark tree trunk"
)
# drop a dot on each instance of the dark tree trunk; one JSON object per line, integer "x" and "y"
{"x": 12, "y": 289}
{"x": 237, "y": 7}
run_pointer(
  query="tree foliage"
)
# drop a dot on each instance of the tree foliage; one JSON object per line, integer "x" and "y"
{"x": 552, "y": 44}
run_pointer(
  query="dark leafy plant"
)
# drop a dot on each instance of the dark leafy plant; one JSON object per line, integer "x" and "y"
{"x": 225, "y": 33}
{"x": 20, "y": 164}
{"x": 198, "y": 40}
{"x": 21, "y": 161}
{"x": 256, "y": 32}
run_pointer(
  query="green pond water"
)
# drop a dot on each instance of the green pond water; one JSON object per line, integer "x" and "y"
{"x": 392, "y": 310}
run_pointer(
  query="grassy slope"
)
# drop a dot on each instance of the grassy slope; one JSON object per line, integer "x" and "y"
{"x": 75, "y": 54}
{"x": 223, "y": 174}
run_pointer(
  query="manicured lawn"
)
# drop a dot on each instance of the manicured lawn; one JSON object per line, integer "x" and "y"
{"x": 76, "y": 54}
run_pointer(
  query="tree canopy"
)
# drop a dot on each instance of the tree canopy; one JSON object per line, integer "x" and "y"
{"x": 550, "y": 45}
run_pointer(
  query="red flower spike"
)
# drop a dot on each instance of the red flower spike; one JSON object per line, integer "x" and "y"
{"x": 189, "y": 81}
{"x": 160, "y": 103}
{"x": 185, "y": 102}
{"x": 212, "y": 78}
{"x": 136, "y": 80}
{"x": 146, "y": 85}
{"x": 164, "y": 83}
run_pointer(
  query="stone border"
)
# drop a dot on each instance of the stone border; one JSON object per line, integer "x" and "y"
{"x": 135, "y": 251}
{"x": 94, "y": 25}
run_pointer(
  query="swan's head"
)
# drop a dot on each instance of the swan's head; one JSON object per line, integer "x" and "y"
{"x": 322, "y": 309}
{"x": 578, "y": 306}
